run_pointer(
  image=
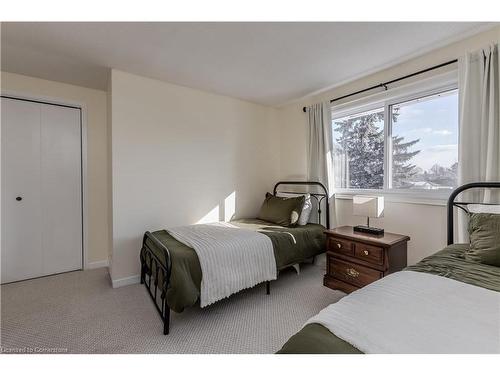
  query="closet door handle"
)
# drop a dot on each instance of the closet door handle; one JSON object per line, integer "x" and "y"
{"x": 19, "y": 199}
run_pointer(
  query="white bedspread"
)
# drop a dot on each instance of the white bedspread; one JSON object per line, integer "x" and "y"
{"x": 414, "y": 312}
{"x": 231, "y": 258}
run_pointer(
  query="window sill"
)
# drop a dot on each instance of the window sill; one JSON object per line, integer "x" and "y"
{"x": 423, "y": 197}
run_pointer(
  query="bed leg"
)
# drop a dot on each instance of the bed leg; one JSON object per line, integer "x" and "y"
{"x": 313, "y": 260}
{"x": 166, "y": 320}
{"x": 142, "y": 274}
{"x": 268, "y": 287}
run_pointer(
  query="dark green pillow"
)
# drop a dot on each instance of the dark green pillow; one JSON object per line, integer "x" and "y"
{"x": 280, "y": 210}
{"x": 484, "y": 234}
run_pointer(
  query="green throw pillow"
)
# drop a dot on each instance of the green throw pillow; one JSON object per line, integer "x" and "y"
{"x": 280, "y": 210}
{"x": 484, "y": 234}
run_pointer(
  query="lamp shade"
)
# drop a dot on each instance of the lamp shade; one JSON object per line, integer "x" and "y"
{"x": 368, "y": 206}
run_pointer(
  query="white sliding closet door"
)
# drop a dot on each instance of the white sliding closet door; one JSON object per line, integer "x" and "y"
{"x": 61, "y": 189}
{"x": 21, "y": 229}
{"x": 41, "y": 189}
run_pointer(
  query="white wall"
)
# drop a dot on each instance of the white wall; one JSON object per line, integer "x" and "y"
{"x": 95, "y": 105}
{"x": 177, "y": 155}
{"x": 425, "y": 224}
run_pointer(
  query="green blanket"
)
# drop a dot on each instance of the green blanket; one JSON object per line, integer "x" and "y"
{"x": 449, "y": 262}
{"x": 290, "y": 245}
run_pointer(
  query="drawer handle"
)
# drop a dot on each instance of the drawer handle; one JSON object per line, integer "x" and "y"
{"x": 352, "y": 272}
{"x": 366, "y": 252}
{"x": 339, "y": 245}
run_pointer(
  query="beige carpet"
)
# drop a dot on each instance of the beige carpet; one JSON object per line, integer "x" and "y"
{"x": 79, "y": 312}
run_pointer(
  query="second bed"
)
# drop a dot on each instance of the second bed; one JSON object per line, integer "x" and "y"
{"x": 172, "y": 260}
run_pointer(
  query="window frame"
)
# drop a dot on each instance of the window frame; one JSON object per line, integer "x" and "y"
{"x": 415, "y": 90}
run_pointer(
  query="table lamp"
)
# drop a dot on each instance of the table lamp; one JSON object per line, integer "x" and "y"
{"x": 368, "y": 206}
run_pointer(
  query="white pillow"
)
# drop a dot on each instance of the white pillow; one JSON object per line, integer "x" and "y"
{"x": 306, "y": 209}
{"x": 484, "y": 208}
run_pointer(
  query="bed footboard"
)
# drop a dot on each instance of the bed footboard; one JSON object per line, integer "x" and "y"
{"x": 155, "y": 275}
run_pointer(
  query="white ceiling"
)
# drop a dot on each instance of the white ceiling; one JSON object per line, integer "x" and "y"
{"x": 268, "y": 63}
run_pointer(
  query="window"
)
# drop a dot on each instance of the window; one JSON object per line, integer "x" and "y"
{"x": 407, "y": 142}
{"x": 425, "y": 142}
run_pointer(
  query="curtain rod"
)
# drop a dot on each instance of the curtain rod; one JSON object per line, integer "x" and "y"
{"x": 384, "y": 84}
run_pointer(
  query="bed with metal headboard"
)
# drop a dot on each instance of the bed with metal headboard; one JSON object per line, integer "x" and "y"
{"x": 171, "y": 270}
{"x": 450, "y": 263}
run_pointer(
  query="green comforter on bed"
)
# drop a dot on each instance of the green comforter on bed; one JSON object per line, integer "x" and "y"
{"x": 449, "y": 262}
{"x": 290, "y": 245}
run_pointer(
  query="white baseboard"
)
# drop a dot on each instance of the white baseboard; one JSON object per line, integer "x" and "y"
{"x": 126, "y": 281}
{"x": 98, "y": 264}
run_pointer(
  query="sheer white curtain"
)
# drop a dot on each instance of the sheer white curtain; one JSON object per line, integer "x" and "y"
{"x": 479, "y": 139}
{"x": 320, "y": 148}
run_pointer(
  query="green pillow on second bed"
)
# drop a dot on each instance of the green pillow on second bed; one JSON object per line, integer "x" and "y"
{"x": 484, "y": 234}
{"x": 280, "y": 210}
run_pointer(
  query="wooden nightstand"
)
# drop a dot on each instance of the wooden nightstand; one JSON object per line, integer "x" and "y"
{"x": 354, "y": 259}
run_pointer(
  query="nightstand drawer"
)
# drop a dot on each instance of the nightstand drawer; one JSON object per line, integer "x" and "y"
{"x": 353, "y": 273}
{"x": 340, "y": 246}
{"x": 369, "y": 253}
